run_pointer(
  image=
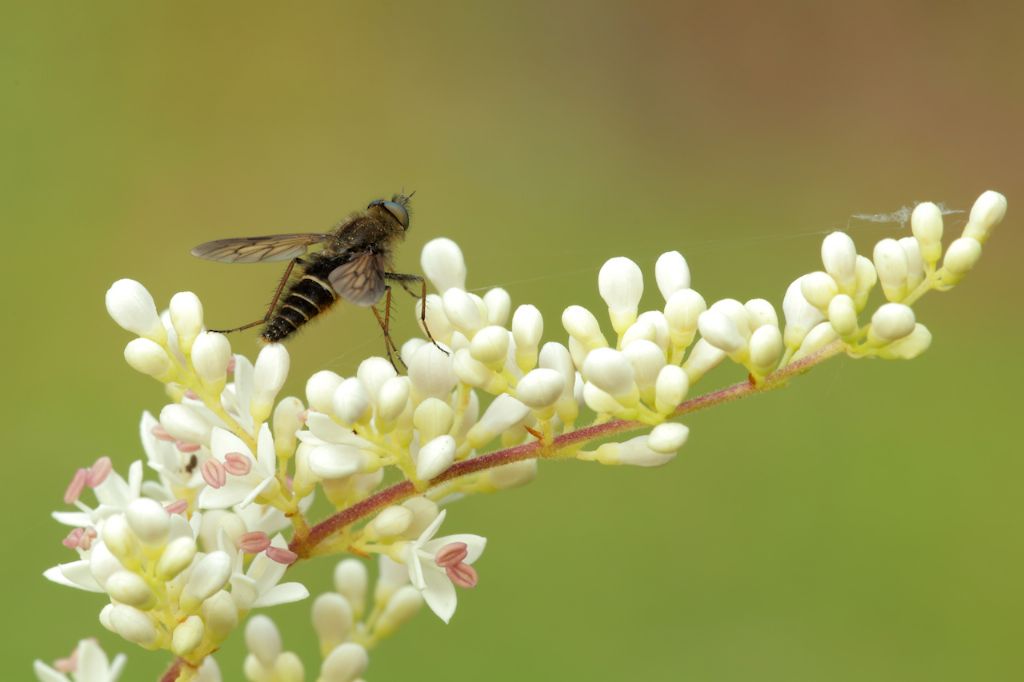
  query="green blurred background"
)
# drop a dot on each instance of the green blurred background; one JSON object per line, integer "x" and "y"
{"x": 864, "y": 524}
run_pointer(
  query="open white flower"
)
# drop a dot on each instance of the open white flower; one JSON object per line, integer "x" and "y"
{"x": 233, "y": 475}
{"x": 261, "y": 584}
{"x": 87, "y": 663}
{"x": 437, "y": 565}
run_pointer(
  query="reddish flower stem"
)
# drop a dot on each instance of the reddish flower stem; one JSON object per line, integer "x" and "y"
{"x": 304, "y": 546}
{"x": 172, "y": 673}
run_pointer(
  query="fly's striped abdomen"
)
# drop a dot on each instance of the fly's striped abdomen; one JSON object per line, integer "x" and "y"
{"x": 306, "y": 298}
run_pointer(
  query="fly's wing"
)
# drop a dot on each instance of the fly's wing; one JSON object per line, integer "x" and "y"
{"x": 273, "y": 247}
{"x": 360, "y": 280}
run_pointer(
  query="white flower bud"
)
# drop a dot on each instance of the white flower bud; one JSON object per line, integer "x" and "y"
{"x": 269, "y": 375}
{"x": 512, "y": 475}
{"x": 720, "y": 331}
{"x": 890, "y": 322}
{"x": 960, "y": 257}
{"x": 527, "y": 329}
{"x": 132, "y": 308}
{"x": 372, "y": 374}
{"x": 129, "y": 588}
{"x": 148, "y": 357}
{"x": 556, "y": 356}
{"x": 502, "y": 414}
{"x": 477, "y": 374}
{"x": 332, "y": 619}
{"x": 211, "y": 353}
{"x": 208, "y": 576}
{"x": 610, "y": 371}
{"x": 909, "y": 347}
{"x": 220, "y": 615}
{"x": 391, "y": 522}
{"x": 149, "y": 521}
{"x": 186, "y": 317}
{"x": 402, "y": 606}
{"x": 682, "y": 310}
{"x": 820, "y": 336}
{"x": 433, "y": 418}
{"x": 320, "y": 390}
{"x": 766, "y": 349}
{"x": 338, "y": 460}
{"x": 187, "y": 636}
{"x": 132, "y": 624}
{"x": 287, "y": 422}
{"x": 652, "y": 319}
{"x": 350, "y": 582}
{"x": 431, "y": 372}
{"x": 760, "y": 313}
{"x": 424, "y": 511}
{"x": 393, "y": 398}
{"x": 540, "y": 388}
{"x": 263, "y": 639}
{"x": 105, "y": 618}
{"x": 671, "y": 273}
{"x": 842, "y": 314}
{"x": 818, "y": 289}
{"x": 668, "y": 437}
{"x": 119, "y": 540}
{"x": 217, "y": 523}
{"x": 987, "y": 212}
{"x": 344, "y": 664}
{"x": 915, "y": 266}
{"x": 799, "y": 313}
{"x": 351, "y": 403}
{"x": 926, "y": 224}
{"x": 490, "y": 346}
{"x": 409, "y": 349}
{"x": 498, "y": 304}
{"x": 289, "y": 668}
{"x": 621, "y": 284}
{"x": 581, "y": 324}
{"x": 892, "y": 268}
{"x": 443, "y": 264}
{"x": 866, "y": 279}
{"x": 647, "y": 360}
{"x": 702, "y": 359}
{"x": 839, "y": 256}
{"x": 435, "y": 457}
{"x": 437, "y": 322}
{"x": 634, "y": 452}
{"x": 600, "y": 401}
{"x": 670, "y": 388}
{"x": 185, "y": 424}
{"x": 462, "y": 311}
{"x": 176, "y": 558}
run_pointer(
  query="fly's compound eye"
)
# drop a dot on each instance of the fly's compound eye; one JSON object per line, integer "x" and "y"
{"x": 397, "y": 212}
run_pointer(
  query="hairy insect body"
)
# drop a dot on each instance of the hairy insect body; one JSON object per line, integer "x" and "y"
{"x": 307, "y": 297}
{"x": 354, "y": 265}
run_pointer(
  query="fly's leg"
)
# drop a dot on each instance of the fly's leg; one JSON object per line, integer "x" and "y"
{"x": 385, "y": 326}
{"x": 405, "y": 280}
{"x": 273, "y": 303}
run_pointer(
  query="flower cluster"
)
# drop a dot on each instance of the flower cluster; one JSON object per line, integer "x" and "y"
{"x": 184, "y": 558}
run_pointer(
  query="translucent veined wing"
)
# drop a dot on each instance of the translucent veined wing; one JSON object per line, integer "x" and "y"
{"x": 273, "y": 247}
{"x": 360, "y": 280}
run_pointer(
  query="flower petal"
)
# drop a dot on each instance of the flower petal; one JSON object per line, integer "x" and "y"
{"x": 474, "y": 544}
{"x": 77, "y": 519}
{"x": 92, "y": 662}
{"x": 429, "y": 531}
{"x": 233, "y": 492}
{"x": 254, "y": 493}
{"x": 45, "y": 673}
{"x": 266, "y": 457}
{"x": 439, "y": 593}
{"x": 223, "y": 441}
{"x": 75, "y": 574}
{"x": 284, "y": 593}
